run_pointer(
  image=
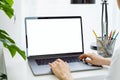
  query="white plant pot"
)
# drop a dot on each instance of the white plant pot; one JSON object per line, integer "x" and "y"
{"x": 2, "y": 65}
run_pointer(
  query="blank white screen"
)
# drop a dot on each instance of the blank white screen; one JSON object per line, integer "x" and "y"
{"x": 53, "y": 36}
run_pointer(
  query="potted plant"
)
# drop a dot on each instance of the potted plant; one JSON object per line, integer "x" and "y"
{"x": 5, "y": 39}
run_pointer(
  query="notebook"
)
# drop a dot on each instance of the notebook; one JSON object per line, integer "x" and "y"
{"x": 50, "y": 38}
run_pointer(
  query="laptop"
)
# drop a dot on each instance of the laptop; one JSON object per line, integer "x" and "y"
{"x": 50, "y": 38}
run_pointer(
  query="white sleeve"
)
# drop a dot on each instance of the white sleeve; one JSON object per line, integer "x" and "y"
{"x": 114, "y": 70}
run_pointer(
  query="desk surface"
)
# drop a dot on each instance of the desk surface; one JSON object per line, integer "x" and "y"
{"x": 18, "y": 69}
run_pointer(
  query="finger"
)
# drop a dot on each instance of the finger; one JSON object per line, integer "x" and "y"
{"x": 60, "y": 60}
{"x": 84, "y": 56}
{"x": 53, "y": 67}
{"x": 66, "y": 64}
{"x": 50, "y": 64}
{"x": 56, "y": 62}
{"x": 88, "y": 61}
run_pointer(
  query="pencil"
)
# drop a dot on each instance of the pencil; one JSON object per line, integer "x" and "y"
{"x": 95, "y": 34}
{"x": 99, "y": 41}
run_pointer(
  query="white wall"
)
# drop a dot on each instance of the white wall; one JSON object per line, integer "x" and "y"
{"x": 91, "y": 14}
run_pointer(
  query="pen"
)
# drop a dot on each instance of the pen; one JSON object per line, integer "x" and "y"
{"x": 113, "y": 34}
{"x": 116, "y": 35}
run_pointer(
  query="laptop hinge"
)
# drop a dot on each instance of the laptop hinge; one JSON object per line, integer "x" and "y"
{"x": 54, "y": 56}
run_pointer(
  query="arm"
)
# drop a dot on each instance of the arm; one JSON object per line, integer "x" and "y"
{"x": 118, "y": 2}
{"x": 107, "y": 61}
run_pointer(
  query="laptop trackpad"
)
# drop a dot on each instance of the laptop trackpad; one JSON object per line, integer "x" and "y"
{"x": 80, "y": 66}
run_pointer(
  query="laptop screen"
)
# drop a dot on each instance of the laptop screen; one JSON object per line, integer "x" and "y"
{"x": 53, "y": 35}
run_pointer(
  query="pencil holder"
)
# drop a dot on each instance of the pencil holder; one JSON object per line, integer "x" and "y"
{"x": 105, "y": 47}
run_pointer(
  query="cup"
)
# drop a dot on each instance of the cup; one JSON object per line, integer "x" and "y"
{"x": 105, "y": 47}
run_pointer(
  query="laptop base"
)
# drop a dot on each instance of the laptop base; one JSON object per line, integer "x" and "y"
{"x": 74, "y": 67}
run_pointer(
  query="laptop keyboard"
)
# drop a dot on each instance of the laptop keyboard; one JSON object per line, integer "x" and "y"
{"x": 46, "y": 61}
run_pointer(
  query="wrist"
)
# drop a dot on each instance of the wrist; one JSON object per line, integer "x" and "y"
{"x": 106, "y": 61}
{"x": 67, "y": 77}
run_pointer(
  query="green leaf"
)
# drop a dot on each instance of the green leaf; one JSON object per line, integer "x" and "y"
{"x": 10, "y": 2}
{"x": 11, "y": 49}
{"x": 0, "y": 6}
{"x": 6, "y": 38}
{"x": 3, "y": 76}
{"x": 7, "y": 8}
{"x": 21, "y": 52}
{"x": 4, "y": 32}
{"x": 10, "y": 44}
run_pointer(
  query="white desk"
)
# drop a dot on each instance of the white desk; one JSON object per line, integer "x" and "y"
{"x": 18, "y": 69}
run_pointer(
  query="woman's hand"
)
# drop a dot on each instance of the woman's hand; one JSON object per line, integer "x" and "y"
{"x": 95, "y": 59}
{"x": 61, "y": 69}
